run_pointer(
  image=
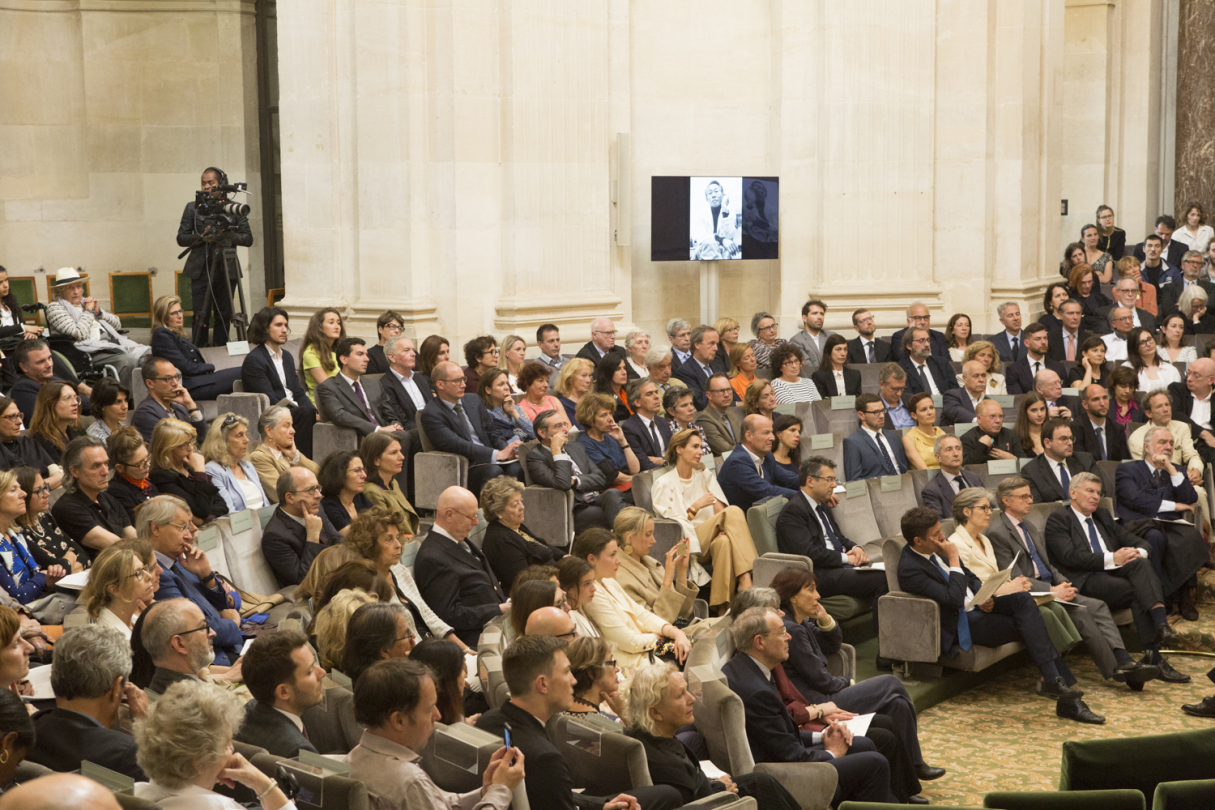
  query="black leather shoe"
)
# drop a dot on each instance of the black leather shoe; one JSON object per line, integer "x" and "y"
{"x": 1204, "y": 709}
{"x": 917, "y": 800}
{"x": 1166, "y": 636}
{"x": 1185, "y": 606}
{"x": 1075, "y": 709}
{"x": 1167, "y": 673}
{"x": 927, "y": 773}
{"x": 1135, "y": 674}
{"x": 1059, "y": 690}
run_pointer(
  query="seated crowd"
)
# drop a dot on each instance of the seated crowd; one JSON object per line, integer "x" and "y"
{"x": 391, "y": 603}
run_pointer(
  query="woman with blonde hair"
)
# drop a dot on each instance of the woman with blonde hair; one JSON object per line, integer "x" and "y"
{"x": 317, "y": 360}
{"x": 760, "y": 398}
{"x": 176, "y": 470}
{"x": 727, "y": 338}
{"x": 20, "y": 576}
{"x": 663, "y": 588}
{"x": 169, "y": 342}
{"x": 985, "y": 352}
{"x": 742, "y": 360}
{"x": 330, "y": 624}
{"x": 118, "y": 590}
{"x": 636, "y": 344}
{"x": 56, "y": 418}
{"x": 574, "y": 382}
{"x": 323, "y": 566}
{"x": 511, "y": 360}
{"x": 226, "y": 450}
{"x": 714, "y": 531}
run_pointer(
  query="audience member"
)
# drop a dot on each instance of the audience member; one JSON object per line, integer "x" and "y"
{"x": 812, "y": 338}
{"x": 942, "y": 488}
{"x": 383, "y": 461}
{"x": 16, "y": 739}
{"x": 86, "y": 512}
{"x": 1171, "y": 348}
{"x": 751, "y": 474}
{"x": 46, "y": 541}
{"x": 865, "y": 348}
{"x": 679, "y": 332}
{"x": 453, "y": 575}
{"x": 1101, "y": 261}
{"x": 959, "y": 404}
{"x": 20, "y": 576}
{"x": 702, "y": 364}
{"x": 548, "y": 341}
{"x": 680, "y": 411}
{"x": 547, "y": 619}
{"x": 636, "y": 345}
{"x": 434, "y": 350}
{"x": 1064, "y": 341}
{"x": 1094, "y": 432}
{"x": 376, "y": 632}
{"x": 1128, "y": 294}
{"x": 17, "y": 449}
{"x": 183, "y": 760}
{"x": 342, "y": 480}
{"x": 1053, "y": 297}
{"x": 330, "y": 624}
{"x": 604, "y": 441}
{"x": 509, "y": 545}
{"x": 110, "y": 404}
{"x": 1050, "y": 474}
{"x": 561, "y": 464}
{"x": 1085, "y": 289}
{"x": 602, "y": 342}
{"x": 534, "y": 381}
{"x": 574, "y": 381}
{"x": 226, "y": 450}
{"x": 36, "y": 367}
{"x": 269, "y": 369}
{"x": 1093, "y": 366}
{"x": 596, "y": 679}
{"x": 644, "y": 430}
{"x": 926, "y": 372}
{"x": 456, "y": 422}
{"x": 541, "y": 684}
{"x": 743, "y": 364}
{"x": 1110, "y": 238}
{"x": 790, "y": 385}
{"x": 1126, "y": 410}
{"x": 387, "y": 326}
{"x": 1128, "y": 267}
{"x": 1191, "y": 403}
{"x": 89, "y": 678}
{"x": 1009, "y": 343}
{"x": 317, "y": 359}
{"x": 958, "y": 335}
{"x": 508, "y": 423}
{"x": 1031, "y": 416}
{"x": 918, "y": 317}
{"x": 1170, "y": 250}
{"x": 341, "y": 398}
{"x": 167, "y": 399}
{"x": 178, "y": 470}
{"x": 1194, "y": 306}
{"x": 984, "y": 351}
{"x": 169, "y": 342}
{"x": 278, "y": 450}
{"x": 892, "y": 394}
{"x": 763, "y": 326}
{"x": 873, "y": 450}
{"x": 1021, "y": 372}
{"x": 1154, "y": 375}
{"x": 663, "y": 588}
{"x": 918, "y": 442}
{"x": 282, "y": 675}
{"x": 173, "y": 638}
{"x": 1107, "y": 562}
{"x": 405, "y": 391}
{"x": 786, "y": 444}
{"x": 834, "y": 378}
{"x": 989, "y": 439}
{"x": 56, "y": 419}
{"x": 577, "y": 578}
{"x": 132, "y": 462}
{"x": 721, "y": 420}
{"x": 298, "y": 530}
{"x": 1194, "y": 232}
{"x": 12, "y": 325}
{"x": 120, "y": 587}
{"x": 1158, "y": 408}
{"x": 96, "y": 332}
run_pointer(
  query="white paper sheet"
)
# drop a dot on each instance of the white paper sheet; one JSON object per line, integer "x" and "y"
{"x": 40, "y": 679}
{"x": 877, "y": 566}
{"x": 859, "y": 724}
{"x": 711, "y": 770}
{"x": 74, "y": 582}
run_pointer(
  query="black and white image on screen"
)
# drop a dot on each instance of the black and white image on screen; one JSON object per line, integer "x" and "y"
{"x": 715, "y": 218}
{"x": 759, "y": 218}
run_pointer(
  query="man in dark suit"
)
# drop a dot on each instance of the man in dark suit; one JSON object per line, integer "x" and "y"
{"x": 1192, "y": 404}
{"x": 200, "y": 263}
{"x": 958, "y": 405}
{"x": 989, "y": 440}
{"x": 453, "y": 576}
{"x": 602, "y": 342}
{"x": 1066, "y": 339}
{"x": 269, "y": 369}
{"x": 403, "y": 391}
{"x": 1051, "y": 473}
{"x": 865, "y": 348}
{"x": 285, "y": 681}
{"x": 1151, "y": 494}
{"x": 926, "y": 372}
{"x": 1170, "y": 249}
{"x": 943, "y": 487}
{"x": 930, "y": 567}
{"x": 751, "y": 473}
{"x": 806, "y": 527}
{"x": 341, "y": 398}
{"x": 918, "y": 317}
{"x": 696, "y": 372}
{"x": 721, "y": 420}
{"x": 1127, "y": 294}
{"x": 298, "y": 530}
{"x": 873, "y": 451}
{"x": 1014, "y": 538}
{"x": 541, "y": 685}
{"x": 455, "y": 422}
{"x": 167, "y": 398}
{"x": 1191, "y": 275}
{"x": 176, "y": 653}
{"x": 559, "y": 463}
{"x": 646, "y": 432}
{"x": 762, "y": 643}
{"x": 1105, "y": 561}
{"x": 36, "y": 367}
{"x": 1009, "y": 342}
{"x": 1094, "y": 432}
{"x": 1019, "y": 376}
{"x": 1050, "y": 387}
{"x": 89, "y": 675}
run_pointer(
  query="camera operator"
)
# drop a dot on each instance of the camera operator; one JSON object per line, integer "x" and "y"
{"x": 204, "y": 240}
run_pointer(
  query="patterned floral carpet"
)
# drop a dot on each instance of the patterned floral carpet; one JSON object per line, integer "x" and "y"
{"x": 1001, "y": 736}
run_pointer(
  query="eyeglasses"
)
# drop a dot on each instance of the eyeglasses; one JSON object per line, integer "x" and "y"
{"x": 143, "y": 575}
{"x": 181, "y": 527}
{"x": 12, "y": 417}
{"x": 472, "y": 517}
{"x": 874, "y": 413}
{"x": 719, "y": 390}
{"x": 42, "y": 490}
{"x": 168, "y": 378}
{"x": 310, "y": 490}
{"x": 982, "y": 508}
{"x": 831, "y": 479}
{"x": 204, "y": 626}
{"x": 146, "y": 464}
{"x": 601, "y": 332}
{"x": 570, "y": 634}
{"x": 767, "y": 328}
{"x": 611, "y": 662}
{"x": 407, "y": 636}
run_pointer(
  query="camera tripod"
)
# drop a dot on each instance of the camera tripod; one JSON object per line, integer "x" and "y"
{"x": 223, "y": 264}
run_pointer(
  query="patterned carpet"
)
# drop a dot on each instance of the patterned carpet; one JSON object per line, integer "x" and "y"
{"x": 1001, "y": 736}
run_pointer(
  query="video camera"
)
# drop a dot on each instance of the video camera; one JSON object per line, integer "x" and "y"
{"x": 215, "y": 209}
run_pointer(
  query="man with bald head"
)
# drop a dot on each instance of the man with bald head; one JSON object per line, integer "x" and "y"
{"x": 602, "y": 342}
{"x": 551, "y": 621}
{"x": 958, "y": 405}
{"x": 989, "y": 440}
{"x": 918, "y": 317}
{"x": 452, "y": 574}
{"x": 1192, "y": 405}
{"x": 751, "y": 473}
{"x": 1095, "y": 433}
{"x": 60, "y": 791}
{"x": 298, "y": 530}
{"x": 1050, "y": 387}
{"x": 457, "y": 421}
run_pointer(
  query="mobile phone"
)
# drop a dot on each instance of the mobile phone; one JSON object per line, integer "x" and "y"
{"x": 506, "y": 739}
{"x": 683, "y": 546}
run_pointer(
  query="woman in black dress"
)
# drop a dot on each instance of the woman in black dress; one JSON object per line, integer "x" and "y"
{"x": 18, "y": 451}
{"x": 132, "y": 462}
{"x": 48, "y": 543}
{"x": 342, "y": 479}
{"x": 509, "y": 545}
{"x": 178, "y": 470}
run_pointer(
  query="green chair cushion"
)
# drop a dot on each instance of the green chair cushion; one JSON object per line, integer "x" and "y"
{"x": 1066, "y": 800}
{"x": 1138, "y": 763}
{"x": 843, "y": 608}
{"x": 132, "y": 294}
{"x": 1198, "y": 794}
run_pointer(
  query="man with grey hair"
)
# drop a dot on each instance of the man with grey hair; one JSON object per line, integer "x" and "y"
{"x": 89, "y": 676}
{"x": 762, "y": 644}
{"x": 562, "y": 464}
{"x": 1008, "y": 342}
{"x": 1191, "y": 276}
{"x": 696, "y": 372}
{"x": 644, "y": 429}
{"x": 942, "y": 488}
{"x": 892, "y": 387}
{"x": 404, "y": 391}
{"x": 679, "y": 332}
{"x": 1050, "y": 387}
{"x": 298, "y": 530}
{"x": 165, "y": 522}
{"x": 918, "y": 317}
{"x": 1128, "y": 296}
{"x": 178, "y": 652}
{"x": 86, "y": 512}
{"x": 958, "y": 405}
{"x": 602, "y": 342}
{"x": 1120, "y": 326}
{"x": 661, "y": 365}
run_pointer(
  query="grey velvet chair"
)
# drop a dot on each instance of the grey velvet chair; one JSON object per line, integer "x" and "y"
{"x": 835, "y": 452}
{"x": 435, "y": 471}
{"x": 249, "y": 406}
{"x": 857, "y": 520}
{"x": 456, "y": 756}
{"x": 550, "y": 512}
{"x": 841, "y": 421}
{"x": 331, "y": 725}
{"x": 889, "y": 505}
{"x": 327, "y": 791}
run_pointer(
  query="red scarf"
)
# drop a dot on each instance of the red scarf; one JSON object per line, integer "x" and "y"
{"x": 142, "y": 483}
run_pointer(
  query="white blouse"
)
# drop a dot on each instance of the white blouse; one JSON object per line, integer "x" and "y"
{"x": 107, "y": 618}
{"x": 672, "y": 496}
{"x": 253, "y": 493}
{"x": 1197, "y": 241}
{"x": 642, "y": 371}
{"x": 404, "y": 580}
{"x": 1165, "y": 373}
{"x": 1188, "y": 355}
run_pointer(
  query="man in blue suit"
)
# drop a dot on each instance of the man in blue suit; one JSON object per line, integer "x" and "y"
{"x": 918, "y": 317}
{"x": 165, "y": 522}
{"x": 930, "y": 567}
{"x": 751, "y": 473}
{"x": 1009, "y": 343}
{"x": 455, "y": 422}
{"x": 701, "y": 365}
{"x": 873, "y": 451}
{"x": 762, "y": 644}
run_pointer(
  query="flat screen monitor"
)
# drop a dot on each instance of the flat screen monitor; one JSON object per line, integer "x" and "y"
{"x": 713, "y": 218}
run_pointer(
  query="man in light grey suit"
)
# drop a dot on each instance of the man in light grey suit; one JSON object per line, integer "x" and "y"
{"x": 1012, "y": 537}
{"x": 813, "y": 337}
{"x": 342, "y": 400}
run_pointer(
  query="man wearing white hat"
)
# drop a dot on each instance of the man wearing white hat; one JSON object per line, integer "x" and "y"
{"x": 95, "y": 331}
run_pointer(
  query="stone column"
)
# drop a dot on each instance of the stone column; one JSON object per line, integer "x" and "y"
{"x": 1196, "y": 107}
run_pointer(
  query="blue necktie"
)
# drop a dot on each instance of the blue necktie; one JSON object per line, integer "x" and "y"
{"x": 887, "y": 462}
{"x": 835, "y": 541}
{"x": 1100, "y": 443}
{"x": 1064, "y": 477}
{"x": 1093, "y": 540}
{"x": 1044, "y": 573}
{"x": 963, "y": 621}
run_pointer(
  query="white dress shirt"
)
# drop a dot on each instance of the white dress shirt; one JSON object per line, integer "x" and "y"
{"x": 276, "y": 357}
{"x": 932, "y": 383}
{"x": 1200, "y": 412}
{"x": 880, "y": 438}
{"x": 411, "y": 387}
{"x": 1109, "y": 555}
{"x": 756, "y": 460}
{"x": 814, "y": 505}
{"x": 938, "y": 562}
{"x": 1115, "y": 346}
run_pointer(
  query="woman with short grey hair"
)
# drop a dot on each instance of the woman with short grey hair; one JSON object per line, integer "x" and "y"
{"x": 185, "y": 760}
{"x": 277, "y": 453}
{"x": 510, "y": 546}
{"x": 637, "y": 345}
{"x": 1193, "y": 305}
{"x": 763, "y": 326}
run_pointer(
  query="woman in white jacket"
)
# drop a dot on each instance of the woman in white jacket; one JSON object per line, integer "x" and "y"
{"x": 716, "y": 532}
